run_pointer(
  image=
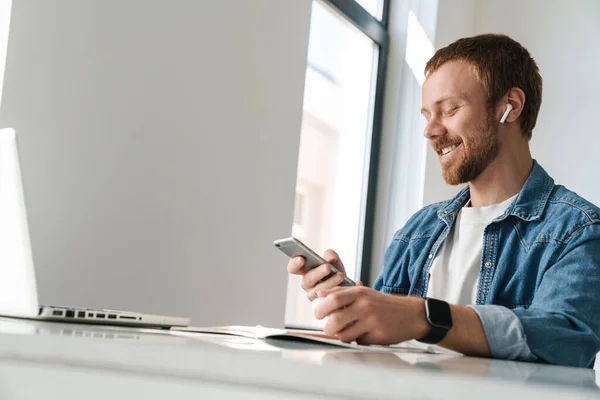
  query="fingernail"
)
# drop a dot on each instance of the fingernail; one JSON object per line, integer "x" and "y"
{"x": 298, "y": 261}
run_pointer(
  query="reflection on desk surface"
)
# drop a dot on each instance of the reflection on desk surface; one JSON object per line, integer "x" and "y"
{"x": 88, "y": 331}
{"x": 319, "y": 354}
{"x": 475, "y": 367}
{"x": 451, "y": 363}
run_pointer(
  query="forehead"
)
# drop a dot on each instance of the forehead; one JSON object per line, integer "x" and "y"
{"x": 452, "y": 79}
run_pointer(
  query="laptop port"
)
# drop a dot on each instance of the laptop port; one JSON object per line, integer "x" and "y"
{"x": 99, "y": 315}
{"x": 90, "y": 315}
{"x": 112, "y": 316}
{"x": 126, "y": 317}
{"x": 80, "y": 314}
{"x": 70, "y": 314}
{"x": 57, "y": 313}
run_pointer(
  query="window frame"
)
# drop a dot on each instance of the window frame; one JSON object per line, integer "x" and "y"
{"x": 377, "y": 31}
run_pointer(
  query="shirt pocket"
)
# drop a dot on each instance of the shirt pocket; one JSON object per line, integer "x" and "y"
{"x": 403, "y": 262}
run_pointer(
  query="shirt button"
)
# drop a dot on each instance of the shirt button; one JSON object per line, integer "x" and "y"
{"x": 430, "y": 256}
{"x": 488, "y": 264}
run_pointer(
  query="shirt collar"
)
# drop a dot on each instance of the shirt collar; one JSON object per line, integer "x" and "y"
{"x": 529, "y": 204}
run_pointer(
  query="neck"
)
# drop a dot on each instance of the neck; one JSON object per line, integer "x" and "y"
{"x": 503, "y": 178}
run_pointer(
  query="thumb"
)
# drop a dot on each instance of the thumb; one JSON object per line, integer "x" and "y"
{"x": 333, "y": 258}
{"x": 325, "y": 292}
{"x": 359, "y": 283}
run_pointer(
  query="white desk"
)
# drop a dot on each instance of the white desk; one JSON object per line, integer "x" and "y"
{"x": 53, "y": 360}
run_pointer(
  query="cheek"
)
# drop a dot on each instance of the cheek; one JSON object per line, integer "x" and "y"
{"x": 459, "y": 129}
{"x": 465, "y": 128}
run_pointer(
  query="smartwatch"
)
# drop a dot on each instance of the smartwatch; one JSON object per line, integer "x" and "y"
{"x": 439, "y": 319}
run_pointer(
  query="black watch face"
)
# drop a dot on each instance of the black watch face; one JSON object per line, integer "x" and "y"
{"x": 439, "y": 313}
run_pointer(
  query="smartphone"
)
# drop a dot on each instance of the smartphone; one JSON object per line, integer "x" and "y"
{"x": 292, "y": 247}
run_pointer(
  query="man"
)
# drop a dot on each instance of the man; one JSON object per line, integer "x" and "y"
{"x": 510, "y": 267}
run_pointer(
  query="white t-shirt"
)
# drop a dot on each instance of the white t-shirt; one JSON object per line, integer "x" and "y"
{"x": 455, "y": 269}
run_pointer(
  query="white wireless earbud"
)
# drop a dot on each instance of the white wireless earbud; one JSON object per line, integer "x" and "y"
{"x": 509, "y": 107}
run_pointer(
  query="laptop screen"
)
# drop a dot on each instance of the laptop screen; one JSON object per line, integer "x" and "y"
{"x": 18, "y": 292}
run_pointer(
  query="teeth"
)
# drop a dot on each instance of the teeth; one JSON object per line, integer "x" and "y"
{"x": 448, "y": 149}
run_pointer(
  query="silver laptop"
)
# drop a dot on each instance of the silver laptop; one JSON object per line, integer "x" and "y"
{"x": 18, "y": 291}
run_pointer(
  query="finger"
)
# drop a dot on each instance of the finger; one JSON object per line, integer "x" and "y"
{"x": 353, "y": 332}
{"x": 330, "y": 283}
{"x": 359, "y": 283}
{"x": 342, "y": 319}
{"x": 295, "y": 266}
{"x": 341, "y": 298}
{"x": 333, "y": 258}
{"x": 313, "y": 293}
{"x": 325, "y": 293}
{"x": 313, "y": 277}
{"x": 367, "y": 339}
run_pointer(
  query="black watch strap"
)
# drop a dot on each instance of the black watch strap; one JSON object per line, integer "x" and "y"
{"x": 435, "y": 336}
{"x": 439, "y": 318}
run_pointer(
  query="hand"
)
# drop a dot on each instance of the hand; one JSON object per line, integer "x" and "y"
{"x": 311, "y": 280}
{"x": 369, "y": 317}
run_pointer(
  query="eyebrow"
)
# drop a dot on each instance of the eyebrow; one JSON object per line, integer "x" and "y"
{"x": 441, "y": 100}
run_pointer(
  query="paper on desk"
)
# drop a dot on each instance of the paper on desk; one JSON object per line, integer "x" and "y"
{"x": 264, "y": 333}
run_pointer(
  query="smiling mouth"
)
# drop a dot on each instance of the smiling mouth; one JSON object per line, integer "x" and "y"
{"x": 449, "y": 149}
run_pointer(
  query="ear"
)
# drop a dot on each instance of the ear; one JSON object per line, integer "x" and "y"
{"x": 516, "y": 98}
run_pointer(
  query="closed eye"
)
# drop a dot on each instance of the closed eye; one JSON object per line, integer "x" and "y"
{"x": 451, "y": 111}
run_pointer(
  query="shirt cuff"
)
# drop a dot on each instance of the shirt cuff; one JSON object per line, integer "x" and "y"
{"x": 504, "y": 333}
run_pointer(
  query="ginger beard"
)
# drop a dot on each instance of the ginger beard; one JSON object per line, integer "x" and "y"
{"x": 472, "y": 156}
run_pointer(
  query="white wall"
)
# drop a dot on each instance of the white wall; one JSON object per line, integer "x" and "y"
{"x": 563, "y": 39}
{"x": 159, "y": 144}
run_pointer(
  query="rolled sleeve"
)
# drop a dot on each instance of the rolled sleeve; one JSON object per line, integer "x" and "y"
{"x": 562, "y": 324}
{"x": 504, "y": 333}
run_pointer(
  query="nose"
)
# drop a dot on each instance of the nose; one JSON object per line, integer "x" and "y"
{"x": 434, "y": 129}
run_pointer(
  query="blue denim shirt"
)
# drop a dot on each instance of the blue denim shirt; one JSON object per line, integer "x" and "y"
{"x": 539, "y": 281}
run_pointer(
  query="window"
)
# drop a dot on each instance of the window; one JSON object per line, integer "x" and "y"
{"x": 373, "y": 7}
{"x": 339, "y": 141}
